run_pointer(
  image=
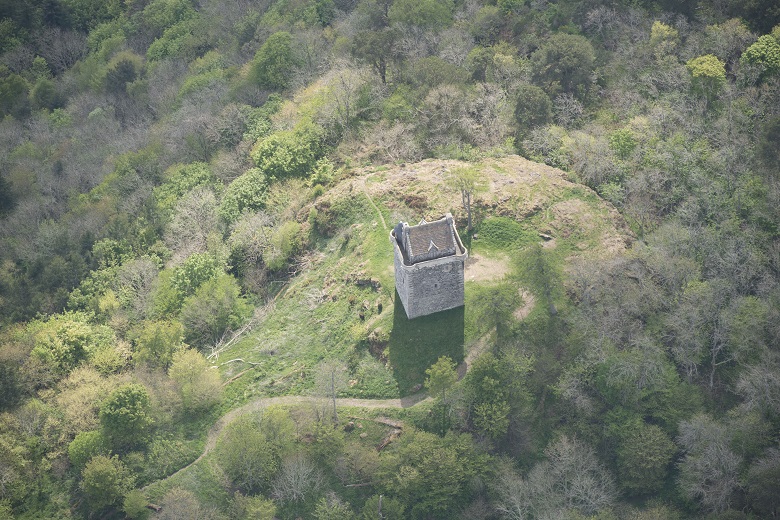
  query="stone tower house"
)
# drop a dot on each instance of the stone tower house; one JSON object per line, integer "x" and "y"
{"x": 429, "y": 263}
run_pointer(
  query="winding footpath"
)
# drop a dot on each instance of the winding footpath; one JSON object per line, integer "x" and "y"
{"x": 363, "y": 187}
{"x": 285, "y": 400}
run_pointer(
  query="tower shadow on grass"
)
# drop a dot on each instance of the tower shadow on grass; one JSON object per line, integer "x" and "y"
{"x": 417, "y": 344}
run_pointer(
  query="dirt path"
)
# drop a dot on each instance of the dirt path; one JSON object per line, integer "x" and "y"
{"x": 528, "y": 304}
{"x": 362, "y": 181}
{"x": 480, "y": 268}
{"x": 285, "y": 400}
{"x": 264, "y": 402}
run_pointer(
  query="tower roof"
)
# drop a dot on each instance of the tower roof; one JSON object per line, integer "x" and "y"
{"x": 428, "y": 240}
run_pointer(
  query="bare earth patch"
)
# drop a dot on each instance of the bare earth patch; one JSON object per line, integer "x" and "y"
{"x": 483, "y": 269}
{"x": 518, "y": 189}
{"x": 528, "y": 304}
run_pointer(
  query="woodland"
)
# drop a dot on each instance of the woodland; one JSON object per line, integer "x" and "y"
{"x": 197, "y": 311}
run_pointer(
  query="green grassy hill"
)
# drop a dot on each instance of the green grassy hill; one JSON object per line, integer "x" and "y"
{"x": 341, "y": 305}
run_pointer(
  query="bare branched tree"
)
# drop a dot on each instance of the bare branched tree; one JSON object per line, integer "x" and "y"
{"x": 331, "y": 377}
{"x": 61, "y": 49}
{"x": 194, "y": 221}
{"x": 571, "y": 478}
{"x": 297, "y": 480}
{"x": 709, "y": 472}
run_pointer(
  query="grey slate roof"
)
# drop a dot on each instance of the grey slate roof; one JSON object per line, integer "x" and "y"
{"x": 428, "y": 240}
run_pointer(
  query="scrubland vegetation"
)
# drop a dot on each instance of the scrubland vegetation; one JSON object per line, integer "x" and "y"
{"x": 196, "y": 292}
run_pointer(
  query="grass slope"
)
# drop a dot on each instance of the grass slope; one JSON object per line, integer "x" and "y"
{"x": 343, "y": 305}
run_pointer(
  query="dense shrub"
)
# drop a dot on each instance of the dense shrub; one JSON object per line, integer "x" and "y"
{"x": 289, "y": 153}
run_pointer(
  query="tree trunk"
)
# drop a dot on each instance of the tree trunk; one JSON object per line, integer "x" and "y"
{"x": 467, "y": 203}
{"x": 333, "y": 391}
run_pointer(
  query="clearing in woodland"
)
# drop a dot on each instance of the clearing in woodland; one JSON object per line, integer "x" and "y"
{"x": 342, "y": 306}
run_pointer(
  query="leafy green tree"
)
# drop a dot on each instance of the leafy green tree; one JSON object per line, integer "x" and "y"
{"x": 85, "y": 446}
{"x": 199, "y": 385}
{"x": 290, "y": 153}
{"x": 198, "y": 269}
{"x": 326, "y": 11}
{"x": 216, "y": 308}
{"x": 331, "y": 507}
{"x": 469, "y": 181}
{"x": 564, "y": 63}
{"x": 45, "y": 94}
{"x": 253, "y": 507}
{"x": 158, "y": 15}
{"x": 86, "y": 14}
{"x": 440, "y": 377}
{"x": 39, "y": 69}
{"x": 644, "y": 455}
{"x": 430, "y": 474}
{"x": 5, "y": 506}
{"x": 487, "y": 24}
{"x": 64, "y": 340}
{"x": 323, "y": 173}
{"x": 478, "y": 62}
{"x": 245, "y": 193}
{"x": 11, "y": 34}
{"x": 246, "y": 456}
{"x": 663, "y": 39}
{"x": 286, "y": 242}
{"x": 274, "y": 62}
{"x": 105, "y": 481}
{"x": 183, "y": 40}
{"x": 426, "y": 14}
{"x": 173, "y": 287}
{"x": 13, "y": 94}
{"x": 179, "y": 179}
{"x": 491, "y": 385}
{"x": 765, "y": 53}
{"x": 709, "y": 75}
{"x": 134, "y": 504}
{"x": 492, "y": 418}
{"x": 124, "y": 68}
{"x": 623, "y": 142}
{"x": 125, "y": 416}
{"x": 533, "y": 109}
{"x": 377, "y": 49}
{"x": 156, "y": 342}
{"x": 251, "y": 448}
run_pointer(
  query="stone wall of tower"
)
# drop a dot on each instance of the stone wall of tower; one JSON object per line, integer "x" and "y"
{"x": 431, "y": 285}
{"x": 435, "y": 285}
{"x": 401, "y": 278}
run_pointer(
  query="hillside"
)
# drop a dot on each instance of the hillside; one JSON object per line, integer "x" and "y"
{"x": 331, "y": 309}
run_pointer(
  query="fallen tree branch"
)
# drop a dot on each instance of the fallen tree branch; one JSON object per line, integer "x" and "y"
{"x": 253, "y": 363}
{"x": 223, "y": 344}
